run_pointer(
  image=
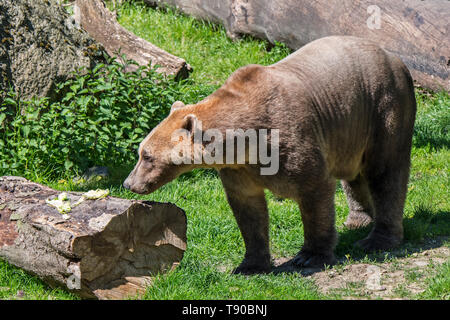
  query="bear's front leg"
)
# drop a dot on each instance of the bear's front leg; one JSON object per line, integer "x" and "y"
{"x": 317, "y": 210}
{"x": 248, "y": 202}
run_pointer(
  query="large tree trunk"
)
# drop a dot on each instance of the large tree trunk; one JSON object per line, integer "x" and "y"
{"x": 416, "y": 31}
{"x": 108, "y": 248}
{"x": 101, "y": 24}
{"x": 39, "y": 46}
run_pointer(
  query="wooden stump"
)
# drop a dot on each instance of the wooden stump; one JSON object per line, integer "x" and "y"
{"x": 108, "y": 249}
{"x": 101, "y": 24}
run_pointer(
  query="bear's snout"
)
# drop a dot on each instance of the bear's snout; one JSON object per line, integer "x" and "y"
{"x": 136, "y": 185}
{"x": 129, "y": 181}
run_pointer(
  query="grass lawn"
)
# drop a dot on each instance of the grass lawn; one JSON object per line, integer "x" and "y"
{"x": 215, "y": 245}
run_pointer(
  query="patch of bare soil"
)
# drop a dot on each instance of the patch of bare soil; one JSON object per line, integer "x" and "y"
{"x": 399, "y": 278}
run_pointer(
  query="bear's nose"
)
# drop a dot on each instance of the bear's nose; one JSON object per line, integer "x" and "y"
{"x": 126, "y": 185}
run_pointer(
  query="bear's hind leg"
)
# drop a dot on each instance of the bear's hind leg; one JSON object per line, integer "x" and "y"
{"x": 248, "y": 202}
{"x": 318, "y": 217}
{"x": 388, "y": 191}
{"x": 359, "y": 202}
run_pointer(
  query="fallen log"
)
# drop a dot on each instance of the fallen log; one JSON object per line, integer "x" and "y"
{"x": 108, "y": 248}
{"x": 101, "y": 25}
{"x": 415, "y": 30}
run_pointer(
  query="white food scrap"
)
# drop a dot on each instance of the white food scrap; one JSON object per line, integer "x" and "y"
{"x": 62, "y": 202}
{"x": 96, "y": 194}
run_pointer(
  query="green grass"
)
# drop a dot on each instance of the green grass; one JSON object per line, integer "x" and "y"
{"x": 203, "y": 45}
{"x": 195, "y": 280}
{"x": 17, "y": 284}
{"x": 438, "y": 285}
{"x": 215, "y": 245}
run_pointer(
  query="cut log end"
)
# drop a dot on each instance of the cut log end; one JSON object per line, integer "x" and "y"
{"x": 108, "y": 248}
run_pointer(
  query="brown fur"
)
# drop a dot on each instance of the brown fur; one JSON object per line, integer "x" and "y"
{"x": 345, "y": 110}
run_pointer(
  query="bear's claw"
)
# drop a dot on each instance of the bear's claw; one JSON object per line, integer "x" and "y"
{"x": 307, "y": 259}
{"x": 248, "y": 269}
{"x": 378, "y": 243}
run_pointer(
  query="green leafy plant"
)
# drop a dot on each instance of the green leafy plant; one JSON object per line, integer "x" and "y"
{"x": 101, "y": 116}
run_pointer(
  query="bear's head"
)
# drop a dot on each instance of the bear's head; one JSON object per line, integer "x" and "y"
{"x": 156, "y": 165}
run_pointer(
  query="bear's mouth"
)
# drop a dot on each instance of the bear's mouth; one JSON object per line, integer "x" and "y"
{"x": 148, "y": 188}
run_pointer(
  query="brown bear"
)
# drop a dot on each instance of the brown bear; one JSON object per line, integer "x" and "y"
{"x": 344, "y": 109}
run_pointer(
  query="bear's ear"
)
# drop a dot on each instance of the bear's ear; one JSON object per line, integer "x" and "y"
{"x": 190, "y": 123}
{"x": 177, "y": 105}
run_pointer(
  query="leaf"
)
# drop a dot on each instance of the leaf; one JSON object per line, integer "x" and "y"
{"x": 10, "y": 101}
{"x": 68, "y": 164}
{"x": 98, "y": 67}
{"x": 74, "y": 87}
{"x": 106, "y": 86}
{"x": 68, "y": 96}
{"x": 26, "y": 130}
{"x": 33, "y": 143}
{"x": 126, "y": 125}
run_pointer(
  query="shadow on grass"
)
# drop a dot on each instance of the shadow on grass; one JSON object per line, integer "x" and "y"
{"x": 427, "y": 229}
{"x": 424, "y": 137}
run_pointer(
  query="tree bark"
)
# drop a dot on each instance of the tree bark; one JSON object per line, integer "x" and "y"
{"x": 101, "y": 24}
{"x": 417, "y": 31}
{"x": 108, "y": 249}
{"x": 40, "y": 46}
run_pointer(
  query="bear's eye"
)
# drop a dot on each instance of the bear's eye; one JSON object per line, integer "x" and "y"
{"x": 147, "y": 157}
